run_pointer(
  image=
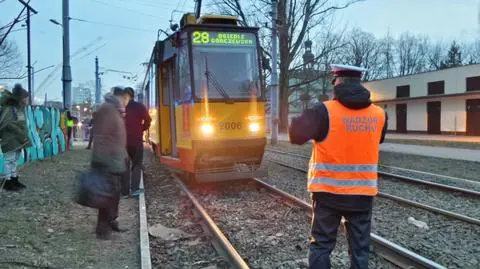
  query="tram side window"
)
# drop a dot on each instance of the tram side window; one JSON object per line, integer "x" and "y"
{"x": 184, "y": 90}
{"x": 153, "y": 102}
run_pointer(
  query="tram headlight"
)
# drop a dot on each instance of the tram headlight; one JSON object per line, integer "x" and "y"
{"x": 206, "y": 128}
{"x": 254, "y": 127}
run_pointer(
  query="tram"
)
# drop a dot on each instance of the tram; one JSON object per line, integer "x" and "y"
{"x": 206, "y": 96}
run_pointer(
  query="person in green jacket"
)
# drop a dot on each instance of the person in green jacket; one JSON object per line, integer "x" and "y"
{"x": 13, "y": 133}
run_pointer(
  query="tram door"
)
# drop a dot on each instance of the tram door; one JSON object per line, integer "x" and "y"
{"x": 167, "y": 108}
{"x": 473, "y": 117}
{"x": 401, "y": 110}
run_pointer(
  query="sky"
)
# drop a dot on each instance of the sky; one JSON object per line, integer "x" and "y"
{"x": 122, "y": 32}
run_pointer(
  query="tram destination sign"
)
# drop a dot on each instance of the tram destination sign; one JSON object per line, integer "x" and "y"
{"x": 223, "y": 38}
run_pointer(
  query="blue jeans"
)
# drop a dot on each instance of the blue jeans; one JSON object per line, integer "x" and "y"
{"x": 10, "y": 164}
{"x": 324, "y": 236}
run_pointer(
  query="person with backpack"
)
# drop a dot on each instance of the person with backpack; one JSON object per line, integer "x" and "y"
{"x": 13, "y": 133}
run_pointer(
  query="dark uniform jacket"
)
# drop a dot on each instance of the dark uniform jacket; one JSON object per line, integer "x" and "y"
{"x": 314, "y": 124}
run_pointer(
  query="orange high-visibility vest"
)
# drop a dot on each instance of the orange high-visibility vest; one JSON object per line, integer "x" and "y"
{"x": 346, "y": 161}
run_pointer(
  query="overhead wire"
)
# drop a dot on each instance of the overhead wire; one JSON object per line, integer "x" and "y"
{"x": 125, "y": 8}
{"x": 113, "y": 25}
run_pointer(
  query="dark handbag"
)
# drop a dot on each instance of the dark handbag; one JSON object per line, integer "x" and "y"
{"x": 95, "y": 190}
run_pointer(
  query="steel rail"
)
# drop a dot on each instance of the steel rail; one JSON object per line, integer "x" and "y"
{"x": 432, "y": 174}
{"x": 406, "y": 201}
{"x": 226, "y": 248}
{"x": 406, "y": 178}
{"x": 390, "y": 251}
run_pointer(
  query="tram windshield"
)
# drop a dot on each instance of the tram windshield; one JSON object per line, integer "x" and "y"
{"x": 225, "y": 65}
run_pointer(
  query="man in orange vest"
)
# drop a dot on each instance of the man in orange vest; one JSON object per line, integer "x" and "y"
{"x": 346, "y": 132}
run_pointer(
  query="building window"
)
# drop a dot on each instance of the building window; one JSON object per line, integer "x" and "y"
{"x": 436, "y": 87}
{"x": 403, "y": 91}
{"x": 473, "y": 84}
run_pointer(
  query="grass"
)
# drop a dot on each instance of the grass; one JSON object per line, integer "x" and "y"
{"x": 43, "y": 227}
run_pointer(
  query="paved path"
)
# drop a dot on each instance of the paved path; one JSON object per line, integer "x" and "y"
{"x": 439, "y": 152}
{"x": 449, "y": 138}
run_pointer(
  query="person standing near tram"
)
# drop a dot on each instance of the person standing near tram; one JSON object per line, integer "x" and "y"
{"x": 342, "y": 176}
{"x": 137, "y": 121}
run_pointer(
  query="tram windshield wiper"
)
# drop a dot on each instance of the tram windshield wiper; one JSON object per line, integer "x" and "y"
{"x": 216, "y": 85}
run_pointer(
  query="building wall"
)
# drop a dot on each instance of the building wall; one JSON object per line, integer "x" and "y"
{"x": 455, "y": 82}
{"x": 392, "y": 115}
{"x": 417, "y": 116}
{"x": 454, "y": 116}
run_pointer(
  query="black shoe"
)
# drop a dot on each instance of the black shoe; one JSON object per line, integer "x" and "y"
{"x": 10, "y": 186}
{"x": 116, "y": 228}
{"x": 17, "y": 183}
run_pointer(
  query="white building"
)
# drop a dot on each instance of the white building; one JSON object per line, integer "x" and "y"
{"x": 437, "y": 102}
{"x": 81, "y": 95}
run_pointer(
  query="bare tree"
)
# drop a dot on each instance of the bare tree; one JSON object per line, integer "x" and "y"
{"x": 412, "y": 54}
{"x": 387, "y": 57}
{"x": 10, "y": 59}
{"x": 363, "y": 50}
{"x": 435, "y": 55}
{"x": 472, "y": 55}
{"x": 295, "y": 19}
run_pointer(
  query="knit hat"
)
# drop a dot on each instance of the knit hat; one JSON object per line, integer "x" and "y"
{"x": 19, "y": 92}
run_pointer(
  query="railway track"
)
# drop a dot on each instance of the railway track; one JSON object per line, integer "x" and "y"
{"x": 470, "y": 187}
{"x": 473, "y": 209}
{"x": 226, "y": 208}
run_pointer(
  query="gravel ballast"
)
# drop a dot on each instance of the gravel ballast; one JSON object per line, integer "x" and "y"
{"x": 454, "y": 244}
{"x": 448, "y": 167}
{"x": 169, "y": 206}
{"x": 452, "y": 201}
{"x": 266, "y": 232}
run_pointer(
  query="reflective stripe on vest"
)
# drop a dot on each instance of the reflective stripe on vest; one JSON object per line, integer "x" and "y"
{"x": 346, "y": 161}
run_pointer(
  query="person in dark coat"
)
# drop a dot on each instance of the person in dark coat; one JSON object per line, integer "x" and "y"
{"x": 137, "y": 121}
{"x": 90, "y": 128}
{"x": 13, "y": 133}
{"x": 346, "y": 134}
{"x": 109, "y": 154}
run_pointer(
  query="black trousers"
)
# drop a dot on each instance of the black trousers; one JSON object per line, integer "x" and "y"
{"x": 136, "y": 159}
{"x": 110, "y": 213}
{"x": 324, "y": 236}
{"x": 90, "y": 140}
{"x": 69, "y": 134}
{"x": 125, "y": 179}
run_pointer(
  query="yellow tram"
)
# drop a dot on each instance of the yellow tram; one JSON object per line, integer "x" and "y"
{"x": 206, "y": 97}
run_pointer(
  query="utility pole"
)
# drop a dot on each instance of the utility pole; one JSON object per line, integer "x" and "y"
{"x": 98, "y": 92}
{"x": 274, "y": 78}
{"x": 198, "y": 8}
{"x": 29, "y": 61}
{"x": 66, "y": 72}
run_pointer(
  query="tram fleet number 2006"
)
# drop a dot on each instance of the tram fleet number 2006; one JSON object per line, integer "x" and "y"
{"x": 230, "y": 125}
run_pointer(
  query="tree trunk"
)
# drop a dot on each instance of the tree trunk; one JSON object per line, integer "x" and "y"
{"x": 284, "y": 66}
{"x": 284, "y": 104}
